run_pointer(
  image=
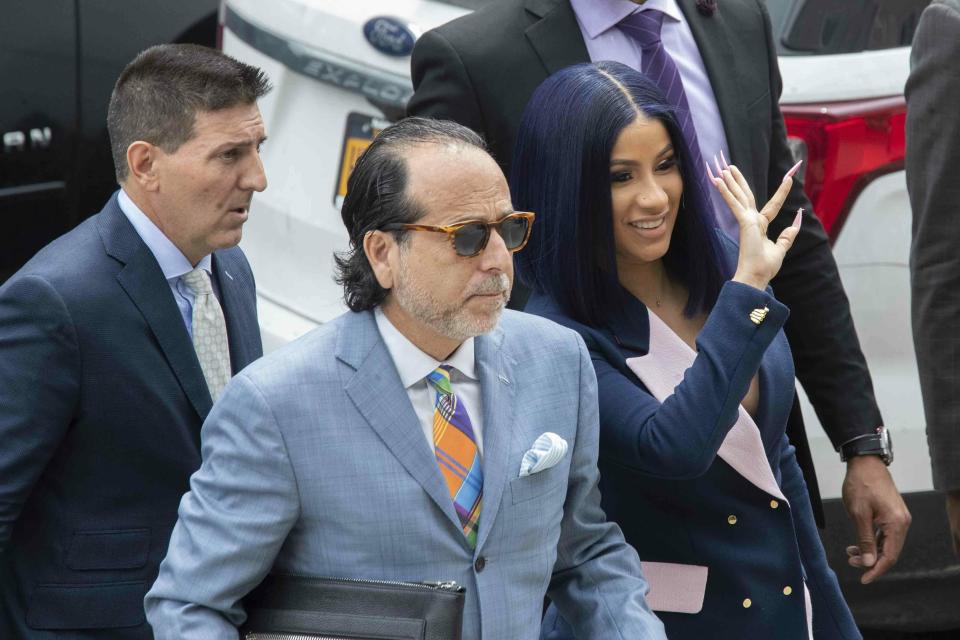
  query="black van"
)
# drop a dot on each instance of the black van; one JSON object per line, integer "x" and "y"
{"x": 59, "y": 60}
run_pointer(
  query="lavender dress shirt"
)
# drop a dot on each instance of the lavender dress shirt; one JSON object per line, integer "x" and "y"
{"x": 598, "y": 21}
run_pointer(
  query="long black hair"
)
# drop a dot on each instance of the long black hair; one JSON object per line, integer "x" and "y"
{"x": 561, "y": 170}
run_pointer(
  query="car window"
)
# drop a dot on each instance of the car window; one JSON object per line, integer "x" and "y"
{"x": 818, "y": 27}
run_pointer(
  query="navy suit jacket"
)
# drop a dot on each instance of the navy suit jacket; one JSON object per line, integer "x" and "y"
{"x": 679, "y": 503}
{"x": 102, "y": 400}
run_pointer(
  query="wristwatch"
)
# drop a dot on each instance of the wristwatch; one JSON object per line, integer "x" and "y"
{"x": 871, "y": 444}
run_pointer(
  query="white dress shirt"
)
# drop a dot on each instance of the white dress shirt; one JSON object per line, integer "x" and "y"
{"x": 414, "y": 366}
{"x": 172, "y": 261}
{"x": 598, "y": 21}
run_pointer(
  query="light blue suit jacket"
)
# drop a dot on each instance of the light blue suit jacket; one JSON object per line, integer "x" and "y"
{"x": 314, "y": 463}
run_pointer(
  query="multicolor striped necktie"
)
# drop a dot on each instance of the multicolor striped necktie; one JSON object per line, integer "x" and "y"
{"x": 657, "y": 64}
{"x": 457, "y": 453}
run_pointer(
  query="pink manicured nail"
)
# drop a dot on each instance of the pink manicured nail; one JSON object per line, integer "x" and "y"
{"x": 717, "y": 164}
{"x": 799, "y": 217}
{"x": 709, "y": 171}
{"x": 793, "y": 170}
{"x": 725, "y": 165}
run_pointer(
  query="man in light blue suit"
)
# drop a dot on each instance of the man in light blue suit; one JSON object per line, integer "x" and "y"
{"x": 421, "y": 436}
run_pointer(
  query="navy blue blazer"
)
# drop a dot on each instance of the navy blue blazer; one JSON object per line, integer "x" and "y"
{"x": 102, "y": 400}
{"x": 679, "y": 503}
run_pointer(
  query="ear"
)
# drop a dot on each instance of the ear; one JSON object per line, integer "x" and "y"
{"x": 382, "y": 250}
{"x": 142, "y": 164}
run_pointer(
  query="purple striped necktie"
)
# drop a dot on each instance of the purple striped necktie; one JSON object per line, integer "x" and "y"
{"x": 658, "y": 66}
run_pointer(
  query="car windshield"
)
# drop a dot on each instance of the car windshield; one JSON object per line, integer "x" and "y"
{"x": 818, "y": 27}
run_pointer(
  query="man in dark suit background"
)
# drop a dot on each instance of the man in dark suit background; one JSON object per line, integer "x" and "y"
{"x": 115, "y": 340}
{"x": 481, "y": 69}
{"x": 933, "y": 154}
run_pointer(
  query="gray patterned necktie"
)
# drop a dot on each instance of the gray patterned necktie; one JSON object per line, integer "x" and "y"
{"x": 209, "y": 332}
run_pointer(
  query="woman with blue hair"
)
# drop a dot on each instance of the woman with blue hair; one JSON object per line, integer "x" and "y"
{"x": 694, "y": 374}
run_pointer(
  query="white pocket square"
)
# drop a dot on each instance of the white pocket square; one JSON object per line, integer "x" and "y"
{"x": 546, "y": 452}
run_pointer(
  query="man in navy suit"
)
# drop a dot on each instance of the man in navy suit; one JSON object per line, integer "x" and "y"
{"x": 114, "y": 342}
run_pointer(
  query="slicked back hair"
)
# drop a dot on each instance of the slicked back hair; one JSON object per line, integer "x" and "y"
{"x": 561, "y": 170}
{"x": 377, "y": 196}
{"x": 158, "y": 95}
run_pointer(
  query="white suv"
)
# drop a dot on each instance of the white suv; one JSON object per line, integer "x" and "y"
{"x": 342, "y": 72}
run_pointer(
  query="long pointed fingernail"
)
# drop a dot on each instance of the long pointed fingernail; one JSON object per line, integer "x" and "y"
{"x": 709, "y": 171}
{"x": 717, "y": 164}
{"x": 793, "y": 170}
{"x": 798, "y": 218}
{"x": 725, "y": 165}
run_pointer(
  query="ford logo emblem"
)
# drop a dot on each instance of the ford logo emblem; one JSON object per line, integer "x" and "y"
{"x": 390, "y": 36}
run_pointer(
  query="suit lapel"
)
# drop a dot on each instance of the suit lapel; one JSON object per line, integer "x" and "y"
{"x": 497, "y": 383}
{"x": 556, "y": 36}
{"x": 240, "y": 318}
{"x": 377, "y": 393}
{"x": 142, "y": 280}
{"x": 712, "y": 35}
{"x": 663, "y": 368}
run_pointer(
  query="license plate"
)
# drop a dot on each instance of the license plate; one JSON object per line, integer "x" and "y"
{"x": 360, "y": 131}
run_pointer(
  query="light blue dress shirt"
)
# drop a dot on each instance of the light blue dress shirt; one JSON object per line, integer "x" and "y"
{"x": 598, "y": 21}
{"x": 172, "y": 261}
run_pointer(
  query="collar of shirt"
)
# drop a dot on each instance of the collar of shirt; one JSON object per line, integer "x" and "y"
{"x": 598, "y": 16}
{"x": 172, "y": 261}
{"x": 414, "y": 365}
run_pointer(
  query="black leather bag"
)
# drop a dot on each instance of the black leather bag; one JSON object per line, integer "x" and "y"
{"x": 304, "y": 608}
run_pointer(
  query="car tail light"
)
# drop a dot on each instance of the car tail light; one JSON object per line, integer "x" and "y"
{"x": 846, "y": 145}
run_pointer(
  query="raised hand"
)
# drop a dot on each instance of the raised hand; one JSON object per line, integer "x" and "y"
{"x": 760, "y": 258}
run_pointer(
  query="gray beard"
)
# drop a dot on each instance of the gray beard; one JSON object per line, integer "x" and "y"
{"x": 453, "y": 321}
